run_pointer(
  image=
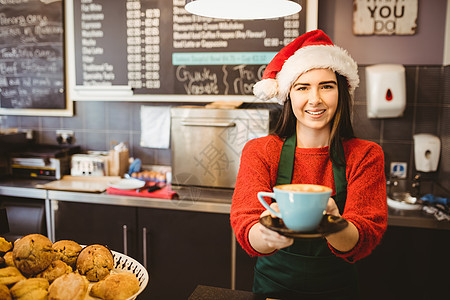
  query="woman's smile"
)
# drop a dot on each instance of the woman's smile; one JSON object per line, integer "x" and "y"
{"x": 316, "y": 113}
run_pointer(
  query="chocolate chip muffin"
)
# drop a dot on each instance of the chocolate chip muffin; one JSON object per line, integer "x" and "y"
{"x": 57, "y": 268}
{"x": 118, "y": 286}
{"x": 70, "y": 286}
{"x": 30, "y": 289}
{"x": 67, "y": 251}
{"x": 95, "y": 262}
{"x": 32, "y": 254}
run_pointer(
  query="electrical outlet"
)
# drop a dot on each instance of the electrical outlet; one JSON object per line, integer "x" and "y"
{"x": 28, "y": 133}
{"x": 64, "y": 136}
{"x": 398, "y": 169}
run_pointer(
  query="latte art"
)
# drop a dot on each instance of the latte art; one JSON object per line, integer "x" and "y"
{"x": 305, "y": 188}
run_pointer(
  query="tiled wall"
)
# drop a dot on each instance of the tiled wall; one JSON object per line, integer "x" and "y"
{"x": 98, "y": 124}
{"x": 427, "y": 111}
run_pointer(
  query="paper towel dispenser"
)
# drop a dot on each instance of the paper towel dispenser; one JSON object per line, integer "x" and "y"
{"x": 386, "y": 90}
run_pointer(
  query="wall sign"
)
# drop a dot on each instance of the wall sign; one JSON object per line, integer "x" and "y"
{"x": 32, "y": 80}
{"x": 385, "y": 17}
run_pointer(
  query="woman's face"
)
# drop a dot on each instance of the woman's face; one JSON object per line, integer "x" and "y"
{"x": 314, "y": 97}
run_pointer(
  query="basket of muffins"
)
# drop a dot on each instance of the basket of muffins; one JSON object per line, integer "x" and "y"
{"x": 35, "y": 268}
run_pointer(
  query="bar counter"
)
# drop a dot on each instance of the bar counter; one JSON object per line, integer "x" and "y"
{"x": 191, "y": 199}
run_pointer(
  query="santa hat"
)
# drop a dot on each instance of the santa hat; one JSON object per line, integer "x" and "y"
{"x": 311, "y": 50}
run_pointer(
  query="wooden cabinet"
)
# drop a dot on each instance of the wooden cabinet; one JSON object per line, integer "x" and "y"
{"x": 184, "y": 249}
{"x": 88, "y": 223}
{"x": 409, "y": 263}
{"x": 22, "y": 216}
{"x": 180, "y": 248}
{"x": 245, "y": 265}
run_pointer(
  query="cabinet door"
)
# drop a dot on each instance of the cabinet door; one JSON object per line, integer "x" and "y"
{"x": 409, "y": 263}
{"x": 245, "y": 265}
{"x": 97, "y": 223}
{"x": 184, "y": 249}
{"x": 22, "y": 216}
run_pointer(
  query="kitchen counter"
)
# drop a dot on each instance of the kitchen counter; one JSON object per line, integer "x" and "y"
{"x": 415, "y": 218}
{"x": 191, "y": 199}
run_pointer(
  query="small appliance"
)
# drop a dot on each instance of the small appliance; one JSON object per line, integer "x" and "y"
{"x": 94, "y": 164}
{"x": 42, "y": 161}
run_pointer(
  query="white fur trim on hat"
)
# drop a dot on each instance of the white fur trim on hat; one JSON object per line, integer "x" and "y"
{"x": 316, "y": 57}
{"x": 266, "y": 89}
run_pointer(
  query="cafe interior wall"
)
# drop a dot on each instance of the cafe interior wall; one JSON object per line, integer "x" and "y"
{"x": 427, "y": 82}
{"x": 97, "y": 124}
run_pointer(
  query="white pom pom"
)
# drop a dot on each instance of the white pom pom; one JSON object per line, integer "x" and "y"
{"x": 266, "y": 89}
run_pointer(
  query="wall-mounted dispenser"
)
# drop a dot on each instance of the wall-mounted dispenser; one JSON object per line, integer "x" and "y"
{"x": 386, "y": 90}
{"x": 427, "y": 149}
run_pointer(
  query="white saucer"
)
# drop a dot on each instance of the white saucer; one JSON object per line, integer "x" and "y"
{"x": 127, "y": 184}
{"x": 403, "y": 205}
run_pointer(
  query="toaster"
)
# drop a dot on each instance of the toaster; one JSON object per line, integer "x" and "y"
{"x": 89, "y": 165}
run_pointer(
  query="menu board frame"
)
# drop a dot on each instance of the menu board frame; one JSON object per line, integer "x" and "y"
{"x": 79, "y": 92}
{"x": 58, "y": 103}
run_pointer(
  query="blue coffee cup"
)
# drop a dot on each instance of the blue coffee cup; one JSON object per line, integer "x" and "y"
{"x": 302, "y": 206}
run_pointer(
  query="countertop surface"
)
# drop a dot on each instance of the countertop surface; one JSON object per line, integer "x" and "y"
{"x": 203, "y": 292}
{"x": 190, "y": 198}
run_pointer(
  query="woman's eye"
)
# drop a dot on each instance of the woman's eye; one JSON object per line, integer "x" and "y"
{"x": 328, "y": 86}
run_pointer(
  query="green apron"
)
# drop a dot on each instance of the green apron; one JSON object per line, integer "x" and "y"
{"x": 307, "y": 269}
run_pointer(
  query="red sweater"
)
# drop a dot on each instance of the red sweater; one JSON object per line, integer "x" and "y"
{"x": 366, "y": 205}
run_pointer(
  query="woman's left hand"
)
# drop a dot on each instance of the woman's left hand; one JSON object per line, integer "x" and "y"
{"x": 332, "y": 208}
{"x": 343, "y": 240}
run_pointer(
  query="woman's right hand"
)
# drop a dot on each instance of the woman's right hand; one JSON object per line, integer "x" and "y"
{"x": 272, "y": 240}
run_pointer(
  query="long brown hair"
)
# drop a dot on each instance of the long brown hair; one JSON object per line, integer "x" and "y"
{"x": 341, "y": 124}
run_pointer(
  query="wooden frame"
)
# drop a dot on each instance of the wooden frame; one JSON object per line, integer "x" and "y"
{"x": 34, "y": 61}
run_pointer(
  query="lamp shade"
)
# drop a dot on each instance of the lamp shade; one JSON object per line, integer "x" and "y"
{"x": 242, "y": 9}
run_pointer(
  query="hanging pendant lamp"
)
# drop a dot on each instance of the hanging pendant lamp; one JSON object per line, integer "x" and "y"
{"x": 242, "y": 9}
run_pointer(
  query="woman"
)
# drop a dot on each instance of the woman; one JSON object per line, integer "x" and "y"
{"x": 313, "y": 143}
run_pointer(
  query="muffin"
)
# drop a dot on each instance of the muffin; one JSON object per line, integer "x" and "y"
{"x": 57, "y": 268}
{"x": 5, "y": 246}
{"x": 95, "y": 262}
{"x": 30, "y": 289}
{"x": 32, "y": 254}
{"x": 67, "y": 251}
{"x": 9, "y": 261}
{"x": 70, "y": 286}
{"x": 118, "y": 286}
{"x": 4, "y": 292}
{"x": 10, "y": 275}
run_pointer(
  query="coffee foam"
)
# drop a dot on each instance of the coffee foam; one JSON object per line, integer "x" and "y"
{"x": 304, "y": 188}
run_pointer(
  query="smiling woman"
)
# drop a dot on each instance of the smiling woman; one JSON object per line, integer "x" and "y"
{"x": 313, "y": 143}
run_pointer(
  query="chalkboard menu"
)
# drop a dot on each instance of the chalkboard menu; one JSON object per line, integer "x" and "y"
{"x": 32, "y": 57}
{"x": 157, "y": 47}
